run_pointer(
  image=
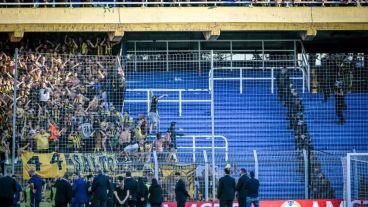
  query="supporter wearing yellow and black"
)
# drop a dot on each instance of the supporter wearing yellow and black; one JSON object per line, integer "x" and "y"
{"x": 42, "y": 140}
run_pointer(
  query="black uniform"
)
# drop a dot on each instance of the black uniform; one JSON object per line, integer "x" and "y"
{"x": 226, "y": 191}
{"x": 7, "y": 191}
{"x": 63, "y": 194}
{"x": 240, "y": 188}
{"x": 142, "y": 194}
{"x": 155, "y": 195}
{"x": 100, "y": 186}
{"x": 181, "y": 193}
{"x": 131, "y": 185}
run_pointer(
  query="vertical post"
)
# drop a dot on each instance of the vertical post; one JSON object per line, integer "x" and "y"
{"x": 256, "y": 170}
{"x": 213, "y": 132}
{"x": 135, "y": 56}
{"x": 263, "y": 55}
{"x": 148, "y": 100}
{"x": 167, "y": 56}
{"x": 205, "y": 175}
{"x": 303, "y": 84}
{"x": 306, "y": 174}
{"x": 231, "y": 54}
{"x": 241, "y": 81}
{"x": 194, "y": 149}
{"x": 14, "y": 108}
{"x": 156, "y": 164}
{"x": 199, "y": 57}
{"x": 180, "y": 104}
{"x": 272, "y": 80}
{"x": 348, "y": 181}
{"x": 295, "y": 56}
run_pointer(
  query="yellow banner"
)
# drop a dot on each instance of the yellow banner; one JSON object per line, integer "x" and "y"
{"x": 46, "y": 165}
{"x": 187, "y": 173}
{"x": 86, "y": 163}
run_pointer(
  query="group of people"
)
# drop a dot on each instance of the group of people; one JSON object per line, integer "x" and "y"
{"x": 335, "y": 76}
{"x": 74, "y": 103}
{"x": 319, "y": 184}
{"x": 246, "y": 189}
{"x": 98, "y": 191}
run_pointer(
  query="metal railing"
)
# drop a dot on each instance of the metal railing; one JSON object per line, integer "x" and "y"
{"x": 195, "y": 147}
{"x": 145, "y": 3}
{"x": 179, "y": 100}
{"x": 241, "y": 78}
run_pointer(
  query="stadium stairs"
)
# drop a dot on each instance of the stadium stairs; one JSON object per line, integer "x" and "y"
{"x": 254, "y": 120}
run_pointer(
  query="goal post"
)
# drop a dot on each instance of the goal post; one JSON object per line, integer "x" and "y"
{"x": 356, "y": 179}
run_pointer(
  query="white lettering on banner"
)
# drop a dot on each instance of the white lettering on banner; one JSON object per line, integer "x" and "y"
{"x": 165, "y": 205}
{"x": 329, "y": 204}
{"x": 206, "y": 205}
{"x": 216, "y": 205}
{"x": 193, "y": 205}
{"x": 365, "y": 202}
{"x": 315, "y": 204}
{"x": 342, "y": 204}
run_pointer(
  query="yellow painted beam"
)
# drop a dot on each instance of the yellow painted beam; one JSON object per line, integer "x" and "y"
{"x": 211, "y": 21}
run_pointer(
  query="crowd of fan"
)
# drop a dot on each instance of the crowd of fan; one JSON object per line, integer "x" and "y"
{"x": 319, "y": 184}
{"x": 72, "y": 103}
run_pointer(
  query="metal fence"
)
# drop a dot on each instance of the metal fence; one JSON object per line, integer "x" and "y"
{"x": 70, "y": 109}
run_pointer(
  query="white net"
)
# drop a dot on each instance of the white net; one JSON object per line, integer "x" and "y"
{"x": 355, "y": 180}
{"x": 277, "y": 112}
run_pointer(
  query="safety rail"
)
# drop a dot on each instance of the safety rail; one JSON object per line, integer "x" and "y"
{"x": 143, "y": 3}
{"x": 241, "y": 78}
{"x": 194, "y": 146}
{"x": 305, "y": 63}
{"x": 179, "y": 100}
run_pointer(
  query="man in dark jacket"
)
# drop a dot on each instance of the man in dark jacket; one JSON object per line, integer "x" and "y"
{"x": 131, "y": 185}
{"x": 252, "y": 187}
{"x": 240, "y": 187}
{"x": 80, "y": 191}
{"x": 7, "y": 191}
{"x": 64, "y": 192}
{"x": 226, "y": 189}
{"x": 181, "y": 193}
{"x": 100, "y": 187}
{"x": 37, "y": 185}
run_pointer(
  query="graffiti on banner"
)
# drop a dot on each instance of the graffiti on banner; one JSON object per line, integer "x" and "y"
{"x": 46, "y": 165}
{"x": 86, "y": 163}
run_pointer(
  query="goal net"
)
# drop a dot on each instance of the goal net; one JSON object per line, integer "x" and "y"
{"x": 356, "y": 179}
